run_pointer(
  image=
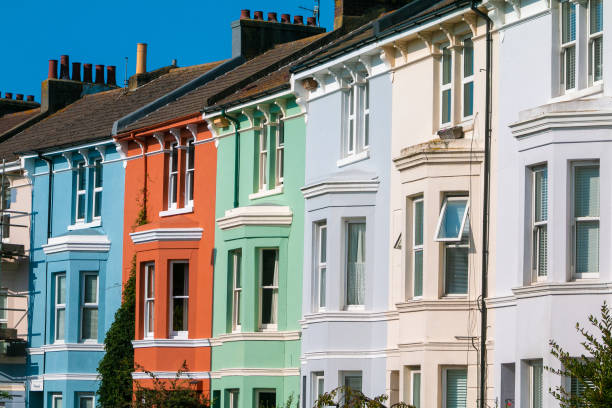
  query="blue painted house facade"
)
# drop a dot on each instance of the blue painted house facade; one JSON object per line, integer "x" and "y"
{"x": 75, "y": 279}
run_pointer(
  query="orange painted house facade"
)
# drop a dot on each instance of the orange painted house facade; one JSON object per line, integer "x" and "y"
{"x": 169, "y": 233}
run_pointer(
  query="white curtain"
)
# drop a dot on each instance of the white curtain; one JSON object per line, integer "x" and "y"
{"x": 356, "y": 264}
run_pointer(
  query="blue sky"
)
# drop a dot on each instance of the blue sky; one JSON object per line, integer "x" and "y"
{"x": 106, "y": 31}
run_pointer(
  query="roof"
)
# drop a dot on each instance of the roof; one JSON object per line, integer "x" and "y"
{"x": 91, "y": 118}
{"x": 234, "y": 80}
{"x": 8, "y": 122}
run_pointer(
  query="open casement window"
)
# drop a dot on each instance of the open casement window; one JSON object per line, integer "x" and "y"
{"x": 321, "y": 266}
{"x": 81, "y": 193}
{"x": 536, "y": 389}
{"x": 446, "y": 84}
{"x": 235, "y": 264}
{"x": 149, "y": 300}
{"x": 173, "y": 176}
{"x": 453, "y": 230}
{"x": 60, "y": 306}
{"x": 585, "y": 226}
{"x": 452, "y": 220}
{"x": 179, "y": 300}
{"x": 280, "y": 151}
{"x": 189, "y": 173}
{"x": 568, "y": 44}
{"x": 89, "y": 307}
{"x": 263, "y": 157}
{"x": 97, "y": 190}
{"x": 539, "y": 226}
{"x": 355, "y": 264}
{"x": 455, "y": 388}
{"x": 417, "y": 247}
{"x": 268, "y": 292}
{"x": 595, "y": 40}
{"x": 467, "y": 78}
{"x": 415, "y": 389}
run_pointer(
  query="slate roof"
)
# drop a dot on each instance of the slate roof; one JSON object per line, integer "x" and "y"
{"x": 91, "y": 117}
{"x": 9, "y": 121}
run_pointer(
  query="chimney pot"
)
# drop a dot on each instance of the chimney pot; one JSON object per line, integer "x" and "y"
{"x": 174, "y": 62}
{"x": 8, "y": 95}
{"x": 64, "y": 68}
{"x": 19, "y": 97}
{"x": 52, "y": 69}
{"x": 110, "y": 75}
{"x": 141, "y": 58}
{"x": 245, "y": 14}
{"x": 285, "y": 18}
{"x": 30, "y": 98}
{"x": 258, "y": 15}
{"x": 311, "y": 21}
{"x": 76, "y": 71}
{"x": 100, "y": 74}
{"x": 87, "y": 73}
{"x": 298, "y": 20}
{"x": 272, "y": 17}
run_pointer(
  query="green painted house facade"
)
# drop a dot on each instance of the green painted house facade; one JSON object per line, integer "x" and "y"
{"x": 259, "y": 255}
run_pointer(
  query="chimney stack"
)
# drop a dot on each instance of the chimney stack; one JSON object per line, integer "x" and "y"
{"x": 272, "y": 17}
{"x": 100, "y": 74}
{"x": 110, "y": 75}
{"x": 87, "y": 71}
{"x": 141, "y": 58}
{"x": 298, "y": 20}
{"x": 285, "y": 18}
{"x": 52, "y": 69}
{"x": 311, "y": 21}
{"x": 8, "y": 95}
{"x": 19, "y": 97}
{"x": 351, "y": 13}
{"x": 76, "y": 71}
{"x": 245, "y": 14}
{"x": 30, "y": 98}
{"x": 64, "y": 68}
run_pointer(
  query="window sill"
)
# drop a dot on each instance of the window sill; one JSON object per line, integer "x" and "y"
{"x": 91, "y": 341}
{"x": 455, "y": 296}
{"x": 266, "y": 193}
{"x": 176, "y": 211}
{"x": 83, "y": 225}
{"x": 353, "y": 308}
{"x": 179, "y": 336}
{"x": 354, "y": 158}
{"x": 269, "y": 328}
{"x": 573, "y": 94}
{"x": 578, "y": 277}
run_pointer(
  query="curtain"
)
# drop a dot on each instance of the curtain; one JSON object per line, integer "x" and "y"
{"x": 356, "y": 264}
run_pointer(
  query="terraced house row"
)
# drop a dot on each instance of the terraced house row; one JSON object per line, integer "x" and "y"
{"x": 410, "y": 204}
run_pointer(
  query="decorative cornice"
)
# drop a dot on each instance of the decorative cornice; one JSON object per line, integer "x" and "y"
{"x": 252, "y": 372}
{"x": 447, "y": 304}
{"x": 66, "y": 377}
{"x": 561, "y": 120}
{"x": 50, "y": 348}
{"x": 347, "y": 316}
{"x": 563, "y": 288}
{"x": 344, "y": 354}
{"x": 66, "y": 243}
{"x": 256, "y": 215}
{"x": 173, "y": 343}
{"x": 170, "y": 375}
{"x": 256, "y": 336}
{"x": 166, "y": 234}
{"x": 437, "y": 152}
{"x": 340, "y": 187}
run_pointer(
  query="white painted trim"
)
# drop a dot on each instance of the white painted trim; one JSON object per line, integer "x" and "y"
{"x": 176, "y": 211}
{"x": 267, "y": 98}
{"x": 266, "y": 193}
{"x": 85, "y": 225}
{"x": 349, "y": 316}
{"x": 73, "y": 148}
{"x": 50, "y": 348}
{"x": 259, "y": 372}
{"x": 344, "y": 354}
{"x": 256, "y": 336}
{"x": 171, "y": 375}
{"x": 256, "y": 215}
{"x": 354, "y": 158}
{"x": 66, "y": 377}
{"x": 11, "y": 167}
{"x": 561, "y": 120}
{"x": 186, "y": 343}
{"x": 167, "y": 234}
{"x": 64, "y": 243}
{"x": 340, "y": 187}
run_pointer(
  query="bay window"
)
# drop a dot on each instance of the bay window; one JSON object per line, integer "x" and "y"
{"x": 595, "y": 39}
{"x": 321, "y": 265}
{"x": 179, "y": 299}
{"x": 189, "y": 173}
{"x": 173, "y": 176}
{"x": 568, "y": 44}
{"x": 585, "y": 219}
{"x": 417, "y": 247}
{"x": 468, "y": 77}
{"x": 149, "y": 300}
{"x": 446, "y": 81}
{"x": 539, "y": 258}
{"x": 355, "y": 263}
{"x": 235, "y": 264}
{"x": 60, "y": 306}
{"x": 268, "y": 291}
{"x": 89, "y": 307}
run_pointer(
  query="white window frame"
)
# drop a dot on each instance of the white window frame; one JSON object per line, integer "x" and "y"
{"x": 4, "y": 307}
{"x": 89, "y": 305}
{"x": 466, "y": 80}
{"x": 575, "y": 220}
{"x": 446, "y": 87}
{"x": 80, "y": 194}
{"x": 236, "y": 259}
{"x": 274, "y": 288}
{"x": 320, "y": 265}
{"x": 565, "y": 46}
{"x": 537, "y": 226}
{"x": 356, "y": 111}
{"x": 351, "y": 115}
{"x": 59, "y": 306}
{"x": 315, "y": 386}
{"x": 173, "y": 176}
{"x": 417, "y": 248}
{"x": 443, "y": 213}
{"x": 346, "y": 261}
{"x": 280, "y": 151}
{"x": 364, "y": 93}
{"x": 180, "y": 334}
{"x": 97, "y": 169}
{"x": 91, "y": 397}
{"x": 234, "y": 397}
{"x": 444, "y": 381}
{"x": 189, "y": 172}
{"x": 149, "y": 332}
{"x": 263, "y": 157}
{"x": 412, "y": 374}
{"x": 264, "y": 390}
{"x": 55, "y": 398}
{"x": 532, "y": 364}
{"x": 592, "y": 38}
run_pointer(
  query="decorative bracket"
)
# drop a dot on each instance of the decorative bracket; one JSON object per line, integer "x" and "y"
{"x": 68, "y": 157}
{"x": 176, "y": 132}
{"x": 472, "y": 21}
{"x": 516, "y": 5}
{"x": 193, "y": 129}
{"x": 160, "y": 139}
{"x": 403, "y": 49}
{"x": 282, "y": 105}
{"x": 337, "y": 77}
{"x": 388, "y": 55}
{"x": 447, "y": 30}
{"x": 121, "y": 148}
{"x": 366, "y": 61}
{"x": 426, "y": 38}
{"x": 141, "y": 145}
{"x": 265, "y": 109}
{"x": 250, "y": 114}
{"x": 85, "y": 154}
{"x": 320, "y": 78}
{"x": 102, "y": 151}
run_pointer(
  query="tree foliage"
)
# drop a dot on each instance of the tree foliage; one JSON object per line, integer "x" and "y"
{"x": 345, "y": 397}
{"x": 593, "y": 370}
{"x": 116, "y": 366}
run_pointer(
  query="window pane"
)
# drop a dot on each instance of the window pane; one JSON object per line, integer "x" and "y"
{"x": 596, "y": 16}
{"x": 98, "y": 204}
{"x": 268, "y": 257}
{"x": 418, "y": 273}
{"x": 542, "y": 254}
{"x": 81, "y": 206}
{"x": 468, "y": 58}
{"x": 322, "y": 285}
{"x": 351, "y": 134}
{"x": 587, "y": 246}
{"x": 3, "y": 305}
{"x": 356, "y": 264}
{"x": 90, "y": 289}
{"x": 352, "y": 101}
{"x": 61, "y": 289}
{"x": 86, "y": 402}
{"x": 570, "y": 67}
{"x": 416, "y": 390}
{"x": 456, "y": 388}
{"x": 90, "y": 324}
{"x": 150, "y": 281}
{"x": 537, "y": 389}
{"x": 179, "y": 314}
{"x": 353, "y": 382}
{"x": 446, "y": 106}
{"x": 541, "y": 195}
{"x": 57, "y": 402}
{"x": 174, "y": 158}
{"x": 268, "y": 306}
{"x": 267, "y": 400}
{"x": 60, "y": 324}
{"x": 456, "y": 271}
{"x": 569, "y": 22}
{"x": 418, "y": 223}
{"x": 366, "y": 140}
{"x": 237, "y": 266}
{"x": 323, "y": 245}
{"x": 150, "y": 316}
{"x": 191, "y": 154}
{"x": 180, "y": 279}
{"x": 597, "y": 58}
{"x": 586, "y": 191}
{"x": 173, "y": 189}
{"x": 452, "y": 217}
{"x": 447, "y": 63}
{"x": 320, "y": 386}
{"x": 81, "y": 176}
{"x": 468, "y": 99}
{"x": 98, "y": 173}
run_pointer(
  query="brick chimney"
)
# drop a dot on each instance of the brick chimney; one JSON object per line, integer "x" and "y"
{"x": 353, "y": 13}
{"x": 254, "y": 36}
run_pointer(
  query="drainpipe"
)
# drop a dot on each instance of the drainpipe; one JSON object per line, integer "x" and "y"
{"x": 485, "y": 213}
{"x": 236, "y": 155}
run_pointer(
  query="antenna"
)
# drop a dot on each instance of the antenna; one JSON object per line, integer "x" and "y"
{"x": 316, "y": 11}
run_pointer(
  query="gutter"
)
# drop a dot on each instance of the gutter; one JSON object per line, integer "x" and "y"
{"x": 237, "y": 102}
{"x": 236, "y": 155}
